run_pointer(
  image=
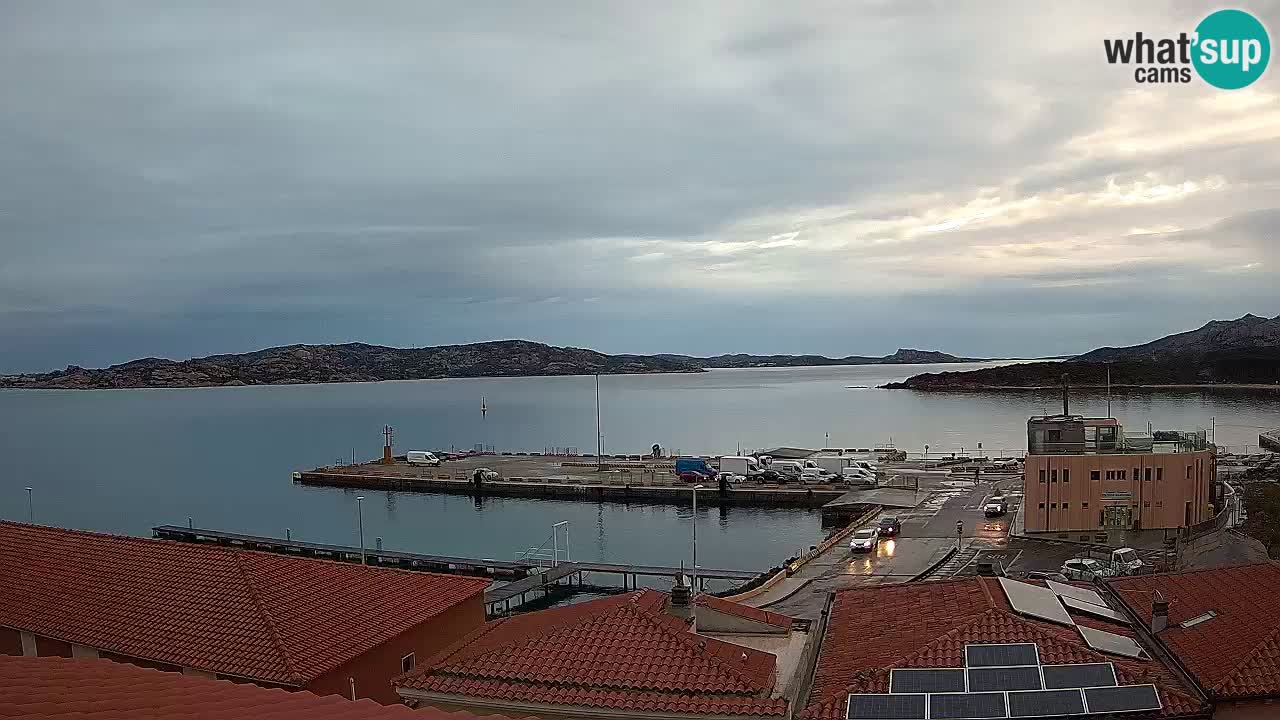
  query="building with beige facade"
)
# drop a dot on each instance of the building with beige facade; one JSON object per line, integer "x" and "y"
{"x": 1086, "y": 474}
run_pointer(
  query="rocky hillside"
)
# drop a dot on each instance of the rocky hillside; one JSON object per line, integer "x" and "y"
{"x": 902, "y": 356}
{"x": 1243, "y": 351}
{"x": 352, "y": 362}
{"x": 1243, "y": 333}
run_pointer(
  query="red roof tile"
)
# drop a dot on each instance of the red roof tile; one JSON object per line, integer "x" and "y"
{"x": 257, "y": 615}
{"x": 872, "y": 630}
{"x": 622, "y": 652}
{"x": 67, "y": 689}
{"x": 1234, "y": 655}
{"x": 745, "y": 611}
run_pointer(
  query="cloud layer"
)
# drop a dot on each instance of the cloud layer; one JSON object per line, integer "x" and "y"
{"x": 691, "y": 177}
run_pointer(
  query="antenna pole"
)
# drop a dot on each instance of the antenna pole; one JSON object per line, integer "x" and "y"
{"x": 1108, "y": 389}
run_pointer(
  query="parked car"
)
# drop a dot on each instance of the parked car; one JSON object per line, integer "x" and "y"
{"x": 1086, "y": 569}
{"x": 690, "y": 476}
{"x": 889, "y": 527}
{"x": 731, "y": 478}
{"x": 865, "y": 540}
{"x": 772, "y": 476}
{"x": 996, "y": 506}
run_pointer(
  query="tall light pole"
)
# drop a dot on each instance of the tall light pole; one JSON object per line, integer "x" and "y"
{"x": 696, "y": 488}
{"x": 360, "y": 521}
{"x": 599, "y": 437}
{"x": 31, "y": 513}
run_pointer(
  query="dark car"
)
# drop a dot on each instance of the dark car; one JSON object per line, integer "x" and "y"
{"x": 773, "y": 476}
{"x": 691, "y": 477}
{"x": 889, "y": 527}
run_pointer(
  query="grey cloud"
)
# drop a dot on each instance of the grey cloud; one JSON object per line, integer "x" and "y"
{"x": 180, "y": 176}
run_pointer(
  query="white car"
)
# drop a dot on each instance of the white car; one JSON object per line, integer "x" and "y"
{"x": 1086, "y": 569}
{"x": 731, "y": 478}
{"x": 865, "y": 540}
{"x": 858, "y": 476}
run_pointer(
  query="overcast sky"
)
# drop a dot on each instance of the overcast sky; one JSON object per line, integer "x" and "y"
{"x": 699, "y": 177}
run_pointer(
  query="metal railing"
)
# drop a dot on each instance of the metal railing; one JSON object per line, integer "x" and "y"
{"x": 543, "y": 556}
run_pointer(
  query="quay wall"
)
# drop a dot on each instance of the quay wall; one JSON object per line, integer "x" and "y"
{"x": 530, "y": 488}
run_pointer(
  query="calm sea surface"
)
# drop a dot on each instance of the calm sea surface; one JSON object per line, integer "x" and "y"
{"x": 125, "y": 460}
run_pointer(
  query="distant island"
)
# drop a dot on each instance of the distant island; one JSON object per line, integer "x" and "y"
{"x": 1244, "y": 352}
{"x": 360, "y": 362}
{"x": 903, "y": 356}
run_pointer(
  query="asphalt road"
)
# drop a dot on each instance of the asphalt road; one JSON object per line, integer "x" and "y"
{"x": 928, "y": 533}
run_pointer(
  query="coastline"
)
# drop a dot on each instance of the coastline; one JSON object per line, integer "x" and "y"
{"x": 968, "y": 387}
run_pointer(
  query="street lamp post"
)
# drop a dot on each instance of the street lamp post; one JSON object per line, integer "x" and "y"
{"x": 360, "y": 522}
{"x": 696, "y": 488}
{"x": 31, "y": 513}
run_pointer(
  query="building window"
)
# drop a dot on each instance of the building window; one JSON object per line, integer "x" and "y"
{"x": 1146, "y": 475}
{"x": 1146, "y": 503}
{"x": 1053, "y": 476}
{"x": 1084, "y": 505}
{"x": 1064, "y": 506}
{"x": 1055, "y": 436}
{"x": 1159, "y": 474}
{"x": 1041, "y": 506}
{"x": 1188, "y": 472}
{"x": 1159, "y": 503}
{"x": 1053, "y": 506}
{"x": 1120, "y": 474}
{"x": 1066, "y": 475}
{"x": 1111, "y": 474}
{"x": 1095, "y": 475}
{"x": 1042, "y": 474}
{"x": 408, "y": 662}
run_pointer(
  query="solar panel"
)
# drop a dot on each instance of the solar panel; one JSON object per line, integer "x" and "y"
{"x": 987, "y": 679}
{"x": 1045, "y": 703}
{"x": 1079, "y": 593}
{"x": 1079, "y": 676}
{"x": 1003, "y": 655}
{"x": 1094, "y": 610}
{"x": 1106, "y": 642}
{"x": 926, "y": 680}
{"x": 887, "y": 707}
{"x": 1126, "y": 698}
{"x": 1035, "y": 601}
{"x": 969, "y": 706}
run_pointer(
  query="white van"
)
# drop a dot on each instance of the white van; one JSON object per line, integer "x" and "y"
{"x": 788, "y": 467}
{"x": 422, "y": 457}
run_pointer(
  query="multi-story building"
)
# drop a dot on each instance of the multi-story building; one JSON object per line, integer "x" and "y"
{"x": 1087, "y": 474}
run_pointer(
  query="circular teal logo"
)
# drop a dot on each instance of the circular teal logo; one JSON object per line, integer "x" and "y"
{"x": 1232, "y": 49}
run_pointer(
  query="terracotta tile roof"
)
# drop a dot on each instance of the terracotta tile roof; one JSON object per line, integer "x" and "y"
{"x": 1234, "y": 655}
{"x": 745, "y": 611}
{"x": 257, "y": 615}
{"x": 67, "y": 689}
{"x": 873, "y": 630}
{"x": 621, "y": 652}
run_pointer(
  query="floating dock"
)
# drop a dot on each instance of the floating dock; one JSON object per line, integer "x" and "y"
{"x": 528, "y": 577}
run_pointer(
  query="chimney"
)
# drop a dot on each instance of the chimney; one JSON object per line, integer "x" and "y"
{"x": 1159, "y": 613}
{"x": 1066, "y": 407}
{"x": 681, "y": 604}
